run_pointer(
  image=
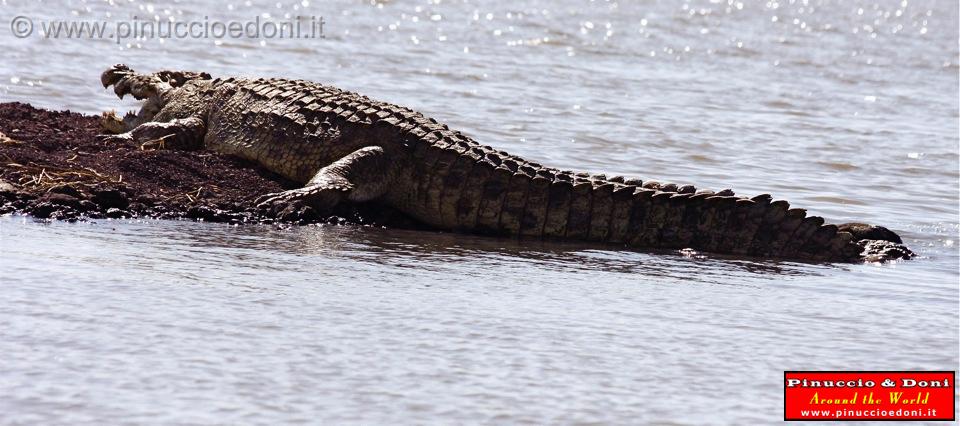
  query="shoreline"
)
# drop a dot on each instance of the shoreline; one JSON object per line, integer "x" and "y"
{"x": 52, "y": 166}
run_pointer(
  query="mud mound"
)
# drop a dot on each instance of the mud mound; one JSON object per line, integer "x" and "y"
{"x": 53, "y": 166}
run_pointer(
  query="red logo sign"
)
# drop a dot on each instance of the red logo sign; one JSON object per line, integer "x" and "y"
{"x": 869, "y": 395}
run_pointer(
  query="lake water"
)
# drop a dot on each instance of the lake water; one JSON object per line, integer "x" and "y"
{"x": 848, "y": 109}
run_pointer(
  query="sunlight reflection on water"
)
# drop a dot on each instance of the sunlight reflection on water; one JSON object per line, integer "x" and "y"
{"x": 848, "y": 109}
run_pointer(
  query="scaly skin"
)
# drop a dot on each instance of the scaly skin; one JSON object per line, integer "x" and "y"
{"x": 346, "y": 147}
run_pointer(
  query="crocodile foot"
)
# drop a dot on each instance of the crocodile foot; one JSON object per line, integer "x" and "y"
{"x": 320, "y": 198}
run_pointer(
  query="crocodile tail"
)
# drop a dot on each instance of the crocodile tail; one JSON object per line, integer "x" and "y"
{"x": 477, "y": 189}
{"x": 666, "y": 216}
{"x": 721, "y": 223}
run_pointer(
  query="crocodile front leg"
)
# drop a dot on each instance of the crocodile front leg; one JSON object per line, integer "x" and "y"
{"x": 363, "y": 175}
{"x": 181, "y": 133}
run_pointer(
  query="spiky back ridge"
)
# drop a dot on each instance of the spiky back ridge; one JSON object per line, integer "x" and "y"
{"x": 459, "y": 184}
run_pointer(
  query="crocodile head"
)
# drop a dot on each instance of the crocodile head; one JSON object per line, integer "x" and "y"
{"x": 154, "y": 90}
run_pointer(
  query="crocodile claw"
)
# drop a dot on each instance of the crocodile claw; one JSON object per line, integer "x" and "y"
{"x": 277, "y": 201}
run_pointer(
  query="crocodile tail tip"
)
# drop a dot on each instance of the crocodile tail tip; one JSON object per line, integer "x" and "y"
{"x": 877, "y": 243}
{"x": 863, "y": 231}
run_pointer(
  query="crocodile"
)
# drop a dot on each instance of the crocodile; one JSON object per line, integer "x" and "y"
{"x": 344, "y": 147}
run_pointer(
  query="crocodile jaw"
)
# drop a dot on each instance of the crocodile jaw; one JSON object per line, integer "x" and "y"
{"x": 145, "y": 87}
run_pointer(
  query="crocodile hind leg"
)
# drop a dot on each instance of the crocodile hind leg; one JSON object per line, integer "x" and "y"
{"x": 363, "y": 175}
{"x": 181, "y": 133}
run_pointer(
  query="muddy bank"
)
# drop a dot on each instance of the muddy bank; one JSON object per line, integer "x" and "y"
{"x": 52, "y": 166}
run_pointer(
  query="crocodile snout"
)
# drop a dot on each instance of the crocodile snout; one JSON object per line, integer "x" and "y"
{"x": 113, "y": 74}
